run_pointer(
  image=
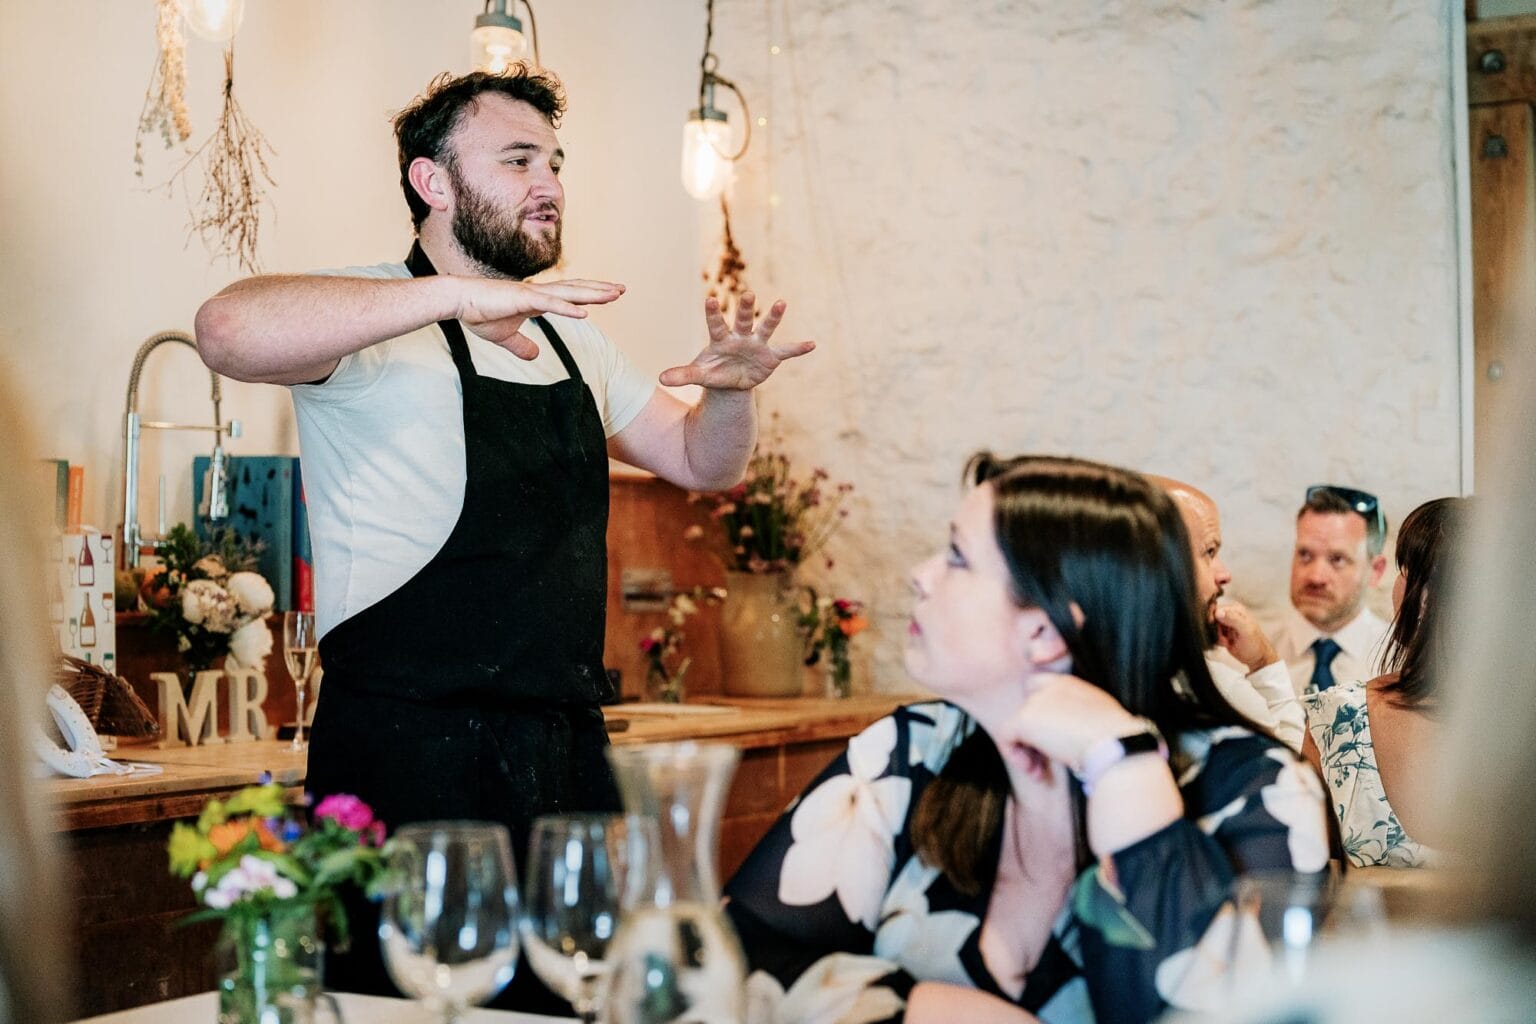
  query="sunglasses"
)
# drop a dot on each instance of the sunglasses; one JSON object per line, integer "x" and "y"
{"x": 1362, "y": 502}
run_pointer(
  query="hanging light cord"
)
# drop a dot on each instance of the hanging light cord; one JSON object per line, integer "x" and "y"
{"x": 533, "y": 30}
{"x": 707, "y": 74}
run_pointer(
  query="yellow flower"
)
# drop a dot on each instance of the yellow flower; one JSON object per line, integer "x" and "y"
{"x": 189, "y": 849}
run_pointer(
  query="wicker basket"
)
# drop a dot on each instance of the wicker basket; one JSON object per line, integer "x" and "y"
{"x": 107, "y": 700}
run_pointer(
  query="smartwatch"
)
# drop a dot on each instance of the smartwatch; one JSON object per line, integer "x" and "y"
{"x": 1107, "y": 753}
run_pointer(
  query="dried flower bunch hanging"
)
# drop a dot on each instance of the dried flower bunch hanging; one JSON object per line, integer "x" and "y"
{"x": 165, "y": 101}
{"x": 729, "y": 278}
{"x": 228, "y": 213}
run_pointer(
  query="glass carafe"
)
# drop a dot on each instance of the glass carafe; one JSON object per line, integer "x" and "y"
{"x": 675, "y": 957}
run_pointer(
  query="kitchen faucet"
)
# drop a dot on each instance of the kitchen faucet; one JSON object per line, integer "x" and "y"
{"x": 134, "y": 542}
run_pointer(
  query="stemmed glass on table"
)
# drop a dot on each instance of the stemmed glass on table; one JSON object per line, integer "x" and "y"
{"x": 300, "y": 650}
{"x": 577, "y": 872}
{"x": 448, "y": 925}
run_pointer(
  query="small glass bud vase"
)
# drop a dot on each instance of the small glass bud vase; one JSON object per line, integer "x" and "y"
{"x": 663, "y": 688}
{"x": 270, "y": 966}
{"x": 839, "y": 679}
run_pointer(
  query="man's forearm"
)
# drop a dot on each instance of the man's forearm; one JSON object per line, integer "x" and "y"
{"x": 290, "y": 329}
{"x": 718, "y": 435}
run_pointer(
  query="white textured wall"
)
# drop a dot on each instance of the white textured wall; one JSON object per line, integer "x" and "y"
{"x": 1212, "y": 240}
{"x": 91, "y": 264}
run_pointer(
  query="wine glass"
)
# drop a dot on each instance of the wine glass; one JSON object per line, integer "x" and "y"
{"x": 300, "y": 649}
{"x": 577, "y": 867}
{"x": 448, "y": 924}
{"x": 1278, "y": 918}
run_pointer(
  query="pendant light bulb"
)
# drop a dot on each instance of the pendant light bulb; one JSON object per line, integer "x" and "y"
{"x": 498, "y": 41}
{"x": 706, "y": 138}
{"x": 214, "y": 20}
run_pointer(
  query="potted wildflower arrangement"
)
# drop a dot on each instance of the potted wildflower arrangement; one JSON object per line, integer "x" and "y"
{"x": 207, "y": 597}
{"x": 271, "y": 877}
{"x": 769, "y": 524}
{"x": 829, "y": 624}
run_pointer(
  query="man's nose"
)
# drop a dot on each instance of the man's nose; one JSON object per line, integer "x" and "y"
{"x": 1220, "y": 571}
{"x": 547, "y": 187}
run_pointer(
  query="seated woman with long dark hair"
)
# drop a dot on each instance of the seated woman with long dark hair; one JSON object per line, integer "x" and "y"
{"x": 1370, "y": 738}
{"x": 1053, "y": 839}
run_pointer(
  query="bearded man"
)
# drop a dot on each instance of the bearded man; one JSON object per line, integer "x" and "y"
{"x": 455, "y": 424}
{"x": 1262, "y": 691}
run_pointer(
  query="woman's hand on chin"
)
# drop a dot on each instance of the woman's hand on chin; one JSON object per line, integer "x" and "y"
{"x": 1061, "y": 718}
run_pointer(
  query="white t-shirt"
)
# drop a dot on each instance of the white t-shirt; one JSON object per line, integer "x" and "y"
{"x": 381, "y": 444}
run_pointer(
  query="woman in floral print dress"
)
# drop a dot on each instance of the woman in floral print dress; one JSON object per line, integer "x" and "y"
{"x": 1024, "y": 850}
{"x": 1368, "y": 738}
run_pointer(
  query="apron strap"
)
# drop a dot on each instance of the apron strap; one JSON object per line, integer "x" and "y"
{"x": 420, "y": 266}
{"x": 558, "y": 344}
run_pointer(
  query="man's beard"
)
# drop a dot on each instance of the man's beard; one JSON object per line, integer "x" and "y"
{"x": 485, "y": 235}
{"x": 1212, "y": 631}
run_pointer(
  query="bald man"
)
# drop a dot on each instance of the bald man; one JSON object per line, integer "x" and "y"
{"x": 1265, "y": 695}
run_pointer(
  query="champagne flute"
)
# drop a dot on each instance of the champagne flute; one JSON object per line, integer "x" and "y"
{"x": 300, "y": 649}
{"x": 577, "y": 867}
{"x": 448, "y": 926}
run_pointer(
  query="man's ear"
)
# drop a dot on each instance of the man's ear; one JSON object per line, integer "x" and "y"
{"x": 1039, "y": 642}
{"x": 1378, "y": 567}
{"x": 430, "y": 180}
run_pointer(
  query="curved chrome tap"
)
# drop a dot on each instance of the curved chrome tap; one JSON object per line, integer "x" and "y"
{"x": 134, "y": 542}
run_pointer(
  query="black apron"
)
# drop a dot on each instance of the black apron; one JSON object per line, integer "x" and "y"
{"x": 473, "y": 690}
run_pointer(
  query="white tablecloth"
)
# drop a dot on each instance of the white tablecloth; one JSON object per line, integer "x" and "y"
{"x": 203, "y": 1009}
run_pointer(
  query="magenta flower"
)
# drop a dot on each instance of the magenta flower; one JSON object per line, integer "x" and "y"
{"x": 346, "y": 810}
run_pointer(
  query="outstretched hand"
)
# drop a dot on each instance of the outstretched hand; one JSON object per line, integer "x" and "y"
{"x": 496, "y": 310}
{"x": 738, "y": 357}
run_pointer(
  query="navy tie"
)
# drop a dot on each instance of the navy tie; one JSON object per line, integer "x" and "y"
{"x": 1324, "y": 650}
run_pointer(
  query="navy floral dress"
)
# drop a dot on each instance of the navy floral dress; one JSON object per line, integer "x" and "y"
{"x": 839, "y": 917}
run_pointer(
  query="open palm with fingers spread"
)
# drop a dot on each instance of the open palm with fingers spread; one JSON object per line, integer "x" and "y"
{"x": 496, "y": 309}
{"x": 738, "y": 357}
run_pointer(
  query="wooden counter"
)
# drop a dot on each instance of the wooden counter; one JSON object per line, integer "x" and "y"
{"x": 130, "y": 949}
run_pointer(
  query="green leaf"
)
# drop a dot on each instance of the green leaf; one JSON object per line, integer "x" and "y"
{"x": 1102, "y": 907}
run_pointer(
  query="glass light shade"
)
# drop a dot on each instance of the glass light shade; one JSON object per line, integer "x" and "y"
{"x": 495, "y": 48}
{"x": 214, "y": 20}
{"x": 706, "y": 170}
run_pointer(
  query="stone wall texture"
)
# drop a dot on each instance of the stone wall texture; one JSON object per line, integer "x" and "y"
{"x": 1214, "y": 240}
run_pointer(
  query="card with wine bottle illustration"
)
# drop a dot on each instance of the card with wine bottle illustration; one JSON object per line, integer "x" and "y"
{"x": 80, "y": 604}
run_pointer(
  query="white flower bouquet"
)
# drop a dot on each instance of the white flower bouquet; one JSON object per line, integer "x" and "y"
{"x": 212, "y": 602}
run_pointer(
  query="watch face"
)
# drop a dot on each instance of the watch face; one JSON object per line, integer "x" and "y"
{"x": 1141, "y": 743}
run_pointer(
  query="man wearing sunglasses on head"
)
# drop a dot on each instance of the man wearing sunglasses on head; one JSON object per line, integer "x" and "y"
{"x": 1332, "y": 636}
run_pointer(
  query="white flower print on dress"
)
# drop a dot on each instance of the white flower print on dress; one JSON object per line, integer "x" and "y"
{"x": 1198, "y": 978}
{"x": 931, "y": 744}
{"x": 844, "y": 828}
{"x": 926, "y": 944}
{"x": 1295, "y": 799}
{"x": 835, "y": 990}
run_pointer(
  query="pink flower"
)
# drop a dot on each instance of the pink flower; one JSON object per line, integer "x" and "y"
{"x": 649, "y": 644}
{"x": 347, "y": 811}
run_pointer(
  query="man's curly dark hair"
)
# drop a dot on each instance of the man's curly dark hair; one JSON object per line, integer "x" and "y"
{"x": 424, "y": 127}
